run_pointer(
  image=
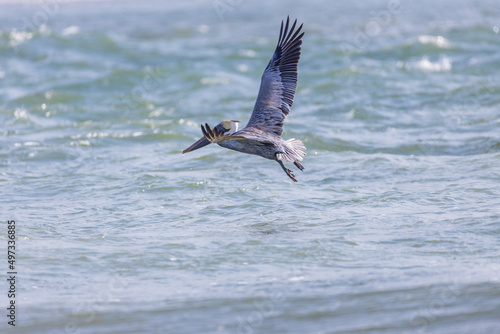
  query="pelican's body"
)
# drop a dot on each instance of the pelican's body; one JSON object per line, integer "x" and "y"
{"x": 265, "y": 144}
{"x": 262, "y": 135}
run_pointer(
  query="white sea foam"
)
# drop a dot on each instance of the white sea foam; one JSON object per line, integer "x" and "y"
{"x": 18, "y": 37}
{"x": 426, "y": 65}
{"x": 71, "y": 30}
{"x": 443, "y": 64}
{"x": 438, "y": 41}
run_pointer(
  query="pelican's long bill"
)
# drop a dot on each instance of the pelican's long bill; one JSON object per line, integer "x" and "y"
{"x": 202, "y": 142}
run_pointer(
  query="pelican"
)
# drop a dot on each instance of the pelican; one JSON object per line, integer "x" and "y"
{"x": 262, "y": 135}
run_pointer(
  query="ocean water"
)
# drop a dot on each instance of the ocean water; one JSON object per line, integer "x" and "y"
{"x": 393, "y": 227}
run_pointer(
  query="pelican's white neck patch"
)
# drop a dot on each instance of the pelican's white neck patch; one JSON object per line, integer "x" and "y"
{"x": 234, "y": 127}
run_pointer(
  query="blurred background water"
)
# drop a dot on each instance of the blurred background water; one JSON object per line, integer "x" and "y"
{"x": 393, "y": 227}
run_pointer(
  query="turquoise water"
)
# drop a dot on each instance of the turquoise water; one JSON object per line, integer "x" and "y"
{"x": 393, "y": 227}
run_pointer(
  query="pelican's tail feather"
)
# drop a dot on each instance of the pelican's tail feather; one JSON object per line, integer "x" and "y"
{"x": 293, "y": 150}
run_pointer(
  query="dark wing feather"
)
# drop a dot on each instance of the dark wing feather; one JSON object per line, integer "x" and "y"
{"x": 278, "y": 83}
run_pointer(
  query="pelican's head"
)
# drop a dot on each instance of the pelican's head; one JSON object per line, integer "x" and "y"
{"x": 231, "y": 126}
{"x": 223, "y": 127}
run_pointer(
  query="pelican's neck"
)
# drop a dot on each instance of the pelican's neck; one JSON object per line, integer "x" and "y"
{"x": 234, "y": 127}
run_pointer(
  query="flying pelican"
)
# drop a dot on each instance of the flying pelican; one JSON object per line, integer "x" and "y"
{"x": 262, "y": 135}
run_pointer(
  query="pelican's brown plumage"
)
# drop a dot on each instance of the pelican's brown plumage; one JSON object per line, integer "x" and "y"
{"x": 262, "y": 135}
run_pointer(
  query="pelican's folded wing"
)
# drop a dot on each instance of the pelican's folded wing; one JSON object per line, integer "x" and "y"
{"x": 278, "y": 83}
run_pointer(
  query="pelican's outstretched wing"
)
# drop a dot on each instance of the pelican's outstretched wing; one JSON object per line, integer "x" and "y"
{"x": 278, "y": 83}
